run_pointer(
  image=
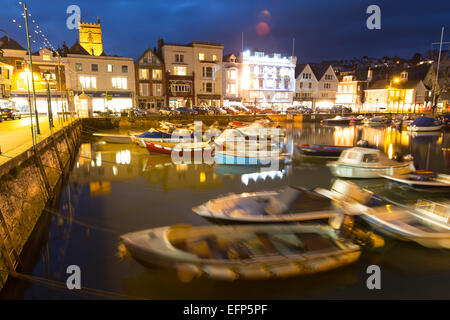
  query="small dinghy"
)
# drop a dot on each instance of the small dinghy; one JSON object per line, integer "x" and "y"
{"x": 289, "y": 205}
{"x": 426, "y": 180}
{"x": 425, "y": 124}
{"x": 424, "y": 226}
{"x": 368, "y": 163}
{"x": 242, "y": 252}
{"x": 320, "y": 150}
{"x": 114, "y": 138}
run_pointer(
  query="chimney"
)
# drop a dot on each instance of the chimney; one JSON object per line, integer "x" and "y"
{"x": 369, "y": 74}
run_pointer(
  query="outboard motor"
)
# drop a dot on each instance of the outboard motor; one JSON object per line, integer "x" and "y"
{"x": 363, "y": 143}
{"x": 408, "y": 157}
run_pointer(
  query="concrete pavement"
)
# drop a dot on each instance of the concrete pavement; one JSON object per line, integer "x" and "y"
{"x": 15, "y": 135}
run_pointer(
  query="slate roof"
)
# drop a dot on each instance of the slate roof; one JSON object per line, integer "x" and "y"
{"x": 10, "y": 43}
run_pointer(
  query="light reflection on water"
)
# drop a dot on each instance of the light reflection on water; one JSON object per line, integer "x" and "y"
{"x": 122, "y": 188}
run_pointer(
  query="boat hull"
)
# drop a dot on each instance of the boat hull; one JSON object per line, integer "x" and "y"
{"x": 114, "y": 138}
{"x": 320, "y": 150}
{"x": 181, "y": 152}
{"x": 348, "y": 171}
{"x": 422, "y": 129}
{"x": 154, "y": 248}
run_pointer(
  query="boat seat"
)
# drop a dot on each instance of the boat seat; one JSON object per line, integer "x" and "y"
{"x": 267, "y": 244}
{"x": 214, "y": 248}
{"x": 314, "y": 242}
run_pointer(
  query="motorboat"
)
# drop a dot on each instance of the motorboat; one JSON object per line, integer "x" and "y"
{"x": 113, "y": 138}
{"x": 422, "y": 180}
{"x": 376, "y": 121}
{"x": 366, "y": 163}
{"x": 242, "y": 252}
{"x": 338, "y": 120}
{"x": 409, "y": 224}
{"x": 292, "y": 204}
{"x": 425, "y": 124}
{"x": 152, "y": 135}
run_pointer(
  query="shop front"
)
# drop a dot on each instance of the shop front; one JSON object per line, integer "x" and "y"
{"x": 208, "y": 100}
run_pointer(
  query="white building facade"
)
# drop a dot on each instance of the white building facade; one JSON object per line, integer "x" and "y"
{"x": 107, "y": 81}
{"x": 268, "y": 80}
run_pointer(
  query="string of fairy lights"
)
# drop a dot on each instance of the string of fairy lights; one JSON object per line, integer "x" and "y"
{"x": 37, "y": 35}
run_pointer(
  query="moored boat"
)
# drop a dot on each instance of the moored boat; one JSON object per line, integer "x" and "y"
{"x": 113, "y": 138}
{"x": 376, "y": 121}
{"x": 407, "y": 224}
{"x": 180, "y": 149}
{"x": 319, "y": 150}
{"x": 242, "y": 252}
{"x": 250, "y": 158}
{"x": 425, "y": 124}
{"x": 368, "y": 163}
{"x": 285, "y": 206}
{"x": 426, "y": 180}
{"x": 338, "y": 120}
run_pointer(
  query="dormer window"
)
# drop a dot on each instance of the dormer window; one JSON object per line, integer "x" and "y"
{"x": 404, "y": 75}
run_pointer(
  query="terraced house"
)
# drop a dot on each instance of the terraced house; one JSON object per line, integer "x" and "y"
{"x": 150, "y": 77}
{"x": 316, "y": 86}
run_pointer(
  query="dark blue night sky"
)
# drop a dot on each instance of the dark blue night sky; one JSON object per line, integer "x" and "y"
{"x": 322, "y": 29}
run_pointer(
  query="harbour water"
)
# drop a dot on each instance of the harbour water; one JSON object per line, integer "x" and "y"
{"x": 114, "y": 189}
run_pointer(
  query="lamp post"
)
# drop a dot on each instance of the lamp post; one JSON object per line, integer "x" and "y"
{"x": 47, "y": 76}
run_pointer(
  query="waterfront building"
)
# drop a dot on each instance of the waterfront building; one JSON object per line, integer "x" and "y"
{"x": 231, "y": 83}
{"x": 98, "y": 82}
{"x": 44, "y": 61}
{"x": 408, "y": 90}
{"x": 316, "y": 86}
{"x": 91, "y": 37}
{"x": 193, "y": 73}
{"x": 268, "y": 80}
{"x": 6, "y": 71}
{"x": 351, "y": 88}
{"x": 149, "y": 77}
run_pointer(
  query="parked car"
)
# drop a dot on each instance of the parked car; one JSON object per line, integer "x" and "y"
{"x": 165, "y": 111}
{"x": 217, "y": 110}
{"x": 10, "y": 113}
{"x": 305, "y": 110}
{"x": 340, "y": 109}
{"x": 185, "y": 111}
{"x": 202, "y": 110}
{"x": 230, "y": 110}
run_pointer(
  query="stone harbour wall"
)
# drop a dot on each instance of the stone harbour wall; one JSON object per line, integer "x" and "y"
{"x": 28, "y": 183}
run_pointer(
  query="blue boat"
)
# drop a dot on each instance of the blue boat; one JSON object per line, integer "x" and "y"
{"x": 425, "y": 124}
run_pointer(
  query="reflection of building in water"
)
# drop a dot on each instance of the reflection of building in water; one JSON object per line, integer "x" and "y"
{"x": 181, "y": 176}
{"x": 263, "y": 176}
{"x": 344, "y": 136}
{"x": 99, "y": 165}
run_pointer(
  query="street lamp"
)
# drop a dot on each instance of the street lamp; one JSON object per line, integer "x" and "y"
{"x": 47, "y": 76}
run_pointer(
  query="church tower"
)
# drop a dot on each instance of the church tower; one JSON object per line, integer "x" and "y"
{"x": 91, "y": 37}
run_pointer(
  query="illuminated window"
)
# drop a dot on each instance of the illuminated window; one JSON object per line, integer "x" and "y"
{"x": 88, "y": 82}
{"x": 143, "y": 74}
{"x": 214, "y": 57}
{"x": 46, "y": 57}
{"x": 201, "y": 56}
{"x": 144, "y": 89}
{"x": 119, "y": 83}
{"x": 156, "y": 74}
{"x": 157, "y": 89}
{"x": 109, "y": 68}
{"x": 232, "y": 75}
{"x": 179, "y": 71}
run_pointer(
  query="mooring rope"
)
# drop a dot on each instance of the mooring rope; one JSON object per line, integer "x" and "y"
{"x": 63, "y": 286}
